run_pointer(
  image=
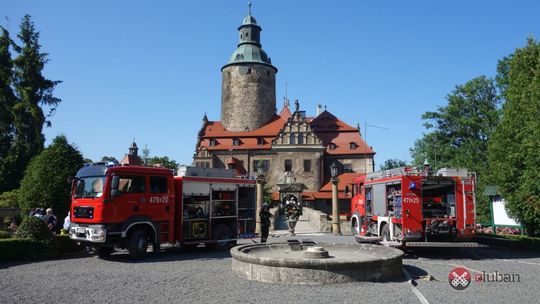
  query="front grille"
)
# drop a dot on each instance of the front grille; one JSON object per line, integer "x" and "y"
{"x": 83, "y": 212}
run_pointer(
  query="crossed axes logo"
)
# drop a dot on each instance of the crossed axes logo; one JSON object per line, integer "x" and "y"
{"x": 459, "y": 278}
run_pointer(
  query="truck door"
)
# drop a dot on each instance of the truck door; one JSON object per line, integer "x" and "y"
{"x": 411, "y": 211}
{"x": 470, "y": 201}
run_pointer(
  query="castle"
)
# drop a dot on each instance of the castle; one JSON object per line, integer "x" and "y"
{"x": 251, "y": 133}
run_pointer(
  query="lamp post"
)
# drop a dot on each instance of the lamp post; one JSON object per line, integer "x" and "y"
{"x": 260, "y": 198}
{"x": 336, "y": 226}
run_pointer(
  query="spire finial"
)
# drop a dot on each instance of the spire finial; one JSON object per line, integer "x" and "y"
{"x": 249, "y": 8}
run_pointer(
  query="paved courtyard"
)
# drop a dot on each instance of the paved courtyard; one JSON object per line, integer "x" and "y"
{"x": 204, "y": 276}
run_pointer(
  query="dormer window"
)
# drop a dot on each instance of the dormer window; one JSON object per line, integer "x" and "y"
{"x": 332, "y": 146}
{"x": 236, "y": 142}
{"x": 213, "y": 142}
{"x": 353, "y": 146}
{"x": 260, "y": 141}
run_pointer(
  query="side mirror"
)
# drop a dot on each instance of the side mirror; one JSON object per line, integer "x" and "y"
{"x": 114, "y": 186}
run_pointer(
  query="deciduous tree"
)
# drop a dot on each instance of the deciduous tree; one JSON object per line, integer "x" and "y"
{"x": 514, "y": 151}
{"x": 461, "y": 131}
{"x": 45, "y": 181}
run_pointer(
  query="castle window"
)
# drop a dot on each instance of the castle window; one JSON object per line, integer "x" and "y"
{"x": 347, "y": 168}
{"x": 353, "y": 146}
{"x": 288, "y": 165}
{"x": 265, "y": 164}
{"x": 213, "y": 142}
{"x": 291, "y": 139}
{"x": 307, "y": 165}
{"x": 249, "y": 71}
{"x": 267, "y": 73}
{"x": 332, "y": 146}
{"x": 300, "y": 138}
{"x": 260, "y": 141}
{"x": 236, "y": 142}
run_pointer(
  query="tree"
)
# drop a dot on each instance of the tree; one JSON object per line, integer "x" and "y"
{"x": 514, "y": 150}
{"x": 33, "y": 92}
{"x": 7, "y": 101}
{"x": 393, "y": 163}
{"x": 163, "y": 161}
{"x": 109, "y": 158}
{"x": 461, "y": 132}
{"x": 145, "y": 155}
{"x": 45, "y": 181}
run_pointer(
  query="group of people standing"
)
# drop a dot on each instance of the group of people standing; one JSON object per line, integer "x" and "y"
{"x": 47, "y": 216}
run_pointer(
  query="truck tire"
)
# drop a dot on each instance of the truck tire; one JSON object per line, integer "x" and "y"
{"x": 222, "y": 232}
{"x": 385, "y": 233}
{"x": 105, "y": 251}
{"x": 137, "y": 244}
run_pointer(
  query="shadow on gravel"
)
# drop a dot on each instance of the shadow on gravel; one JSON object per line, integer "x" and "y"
{"x": 71, "y": 256}
{"x": 171, "y": 255}
{"x": 469, "y": 253}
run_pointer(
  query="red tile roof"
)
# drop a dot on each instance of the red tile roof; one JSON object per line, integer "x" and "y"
{"x": 131, "y": 160}
{"x": 332, "y": 130}
{"x": 329, "y": 128}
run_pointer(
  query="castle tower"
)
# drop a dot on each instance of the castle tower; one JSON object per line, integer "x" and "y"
{"x": 248, "y": 92}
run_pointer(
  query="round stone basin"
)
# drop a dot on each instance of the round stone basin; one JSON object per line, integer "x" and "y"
{"x": 316, "y": 264}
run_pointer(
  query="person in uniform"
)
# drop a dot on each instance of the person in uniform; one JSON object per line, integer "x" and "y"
{"x": 265, "y": 216}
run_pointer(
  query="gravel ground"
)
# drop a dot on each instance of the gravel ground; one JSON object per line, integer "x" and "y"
{"x": 205, "y": 276}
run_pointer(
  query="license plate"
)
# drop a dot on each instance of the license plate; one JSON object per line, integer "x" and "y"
{"x": 80, "y": 230}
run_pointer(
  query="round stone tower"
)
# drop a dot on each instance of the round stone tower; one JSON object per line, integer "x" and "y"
{"x": 248, "y": 91}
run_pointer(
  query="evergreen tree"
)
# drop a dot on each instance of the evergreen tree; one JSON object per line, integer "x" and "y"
{"x": 33, "y": 93}
{"x": 7, "y": 101}
{"x": 515, "y": 148}
{"x": 45, "y": 181}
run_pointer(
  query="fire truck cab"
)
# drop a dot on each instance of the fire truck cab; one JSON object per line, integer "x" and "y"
{"x": 133, "y": 206}
{"x": 406, "y": 207}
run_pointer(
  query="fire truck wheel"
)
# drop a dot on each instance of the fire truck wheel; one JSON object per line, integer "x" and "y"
{"x": 385, "y": 233}
{"x": 222, "y": 233}
{"x": 105, "y": 251}
{"x": 137, "y": 244}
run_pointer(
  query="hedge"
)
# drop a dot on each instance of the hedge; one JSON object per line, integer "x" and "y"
{"x": 27, "y": 249}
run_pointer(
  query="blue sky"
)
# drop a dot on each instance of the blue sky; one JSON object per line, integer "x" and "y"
{"x": 149, "y": 70}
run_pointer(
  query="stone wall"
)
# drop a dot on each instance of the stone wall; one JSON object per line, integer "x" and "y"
{"x": 248, "y": 96}
{"x": 317, "y": 219}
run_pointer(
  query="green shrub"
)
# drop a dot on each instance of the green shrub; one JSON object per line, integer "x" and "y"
{"x": 4, "y": 234}
{"x": 33, "y": 228}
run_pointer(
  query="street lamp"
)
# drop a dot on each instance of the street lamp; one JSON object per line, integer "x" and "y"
{"x": 336, "y": 226}
{"x": 259, "y": 193}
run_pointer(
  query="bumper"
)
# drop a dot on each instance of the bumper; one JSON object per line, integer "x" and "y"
{"x": 88, "y": 233}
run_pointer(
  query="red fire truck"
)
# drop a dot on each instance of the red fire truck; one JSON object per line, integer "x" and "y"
{"x": 407, "y": 207}
{"x": 133, "y": 206}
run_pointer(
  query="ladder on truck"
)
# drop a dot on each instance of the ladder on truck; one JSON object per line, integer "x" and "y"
{"x": 392, "y": 172}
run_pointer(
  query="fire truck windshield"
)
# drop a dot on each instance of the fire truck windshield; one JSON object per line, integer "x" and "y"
{"x": 91, "y": 186}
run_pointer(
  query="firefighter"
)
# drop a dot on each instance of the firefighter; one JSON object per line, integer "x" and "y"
{"x": 265, "y": 222}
